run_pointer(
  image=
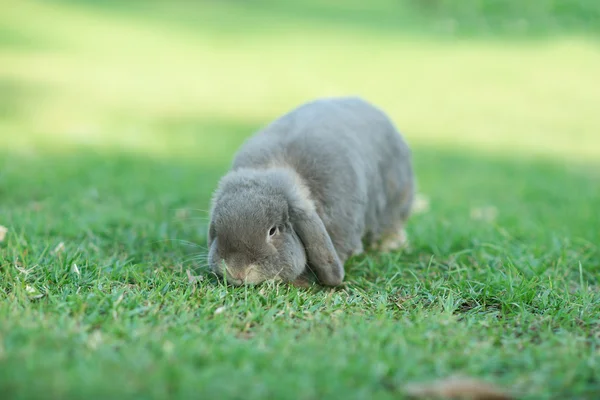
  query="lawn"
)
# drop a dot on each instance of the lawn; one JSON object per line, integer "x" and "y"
{"x": 118, "y": 119}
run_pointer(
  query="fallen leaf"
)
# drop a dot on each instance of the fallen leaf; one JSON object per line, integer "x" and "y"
{"x": 245, "y": 335}
{"x": 420, "y": 204}
{"x": 59, "y": 248}
{"x": 220, "y": 310}
{"x": 457, "y": 388}
{"x": 194, "y": 278}
{"x": 33, "y": 293}
{"x": 3, "y": 232}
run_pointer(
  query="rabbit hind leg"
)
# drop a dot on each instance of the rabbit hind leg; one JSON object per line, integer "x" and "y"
{"x": 393, "y": 241}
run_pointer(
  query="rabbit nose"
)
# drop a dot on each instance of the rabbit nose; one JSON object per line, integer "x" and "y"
{"x": 235, "y": 274}
{"x": 249, "y": 275}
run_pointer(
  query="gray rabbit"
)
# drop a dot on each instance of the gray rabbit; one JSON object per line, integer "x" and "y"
{"x": 307, "y": 191}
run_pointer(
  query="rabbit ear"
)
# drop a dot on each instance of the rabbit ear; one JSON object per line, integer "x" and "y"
{"x": 209, "y": 237}
{"x": 321, "y": 255}
{"x": 210, "y": 234}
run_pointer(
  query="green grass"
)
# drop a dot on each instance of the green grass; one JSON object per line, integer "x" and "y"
{"x": 117, "y": 122}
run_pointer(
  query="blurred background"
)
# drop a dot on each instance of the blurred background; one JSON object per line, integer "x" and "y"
{"x": 156, "y": 77}
{"x": 155, "y": 96}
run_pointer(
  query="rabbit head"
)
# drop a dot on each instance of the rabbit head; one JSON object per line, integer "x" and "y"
{"x": 264, "y": 227}
{"x": 251, "y": 238}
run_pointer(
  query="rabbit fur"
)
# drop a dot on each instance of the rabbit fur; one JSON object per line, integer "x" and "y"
{"x": 308, "y": 190}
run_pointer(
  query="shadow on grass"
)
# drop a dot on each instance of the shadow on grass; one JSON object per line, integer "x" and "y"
{"x": 483, "y": 212}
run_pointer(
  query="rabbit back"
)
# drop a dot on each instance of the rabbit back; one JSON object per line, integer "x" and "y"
{"x": 354, "y": 163}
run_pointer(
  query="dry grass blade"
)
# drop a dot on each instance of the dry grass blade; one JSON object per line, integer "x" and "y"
{"x": 193, "y": 279}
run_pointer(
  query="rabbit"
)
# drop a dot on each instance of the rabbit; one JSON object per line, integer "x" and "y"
{"x": 308, "y": 191}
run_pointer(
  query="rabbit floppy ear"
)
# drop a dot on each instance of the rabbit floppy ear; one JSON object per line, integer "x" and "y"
{"x": 321, "y": 255}
{"x": 209, "y": 234}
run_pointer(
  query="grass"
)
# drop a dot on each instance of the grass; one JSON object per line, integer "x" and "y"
{"x": 116, "y": 124}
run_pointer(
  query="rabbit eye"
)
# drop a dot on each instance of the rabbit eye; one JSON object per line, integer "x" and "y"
{"x": 273, "y": 230}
